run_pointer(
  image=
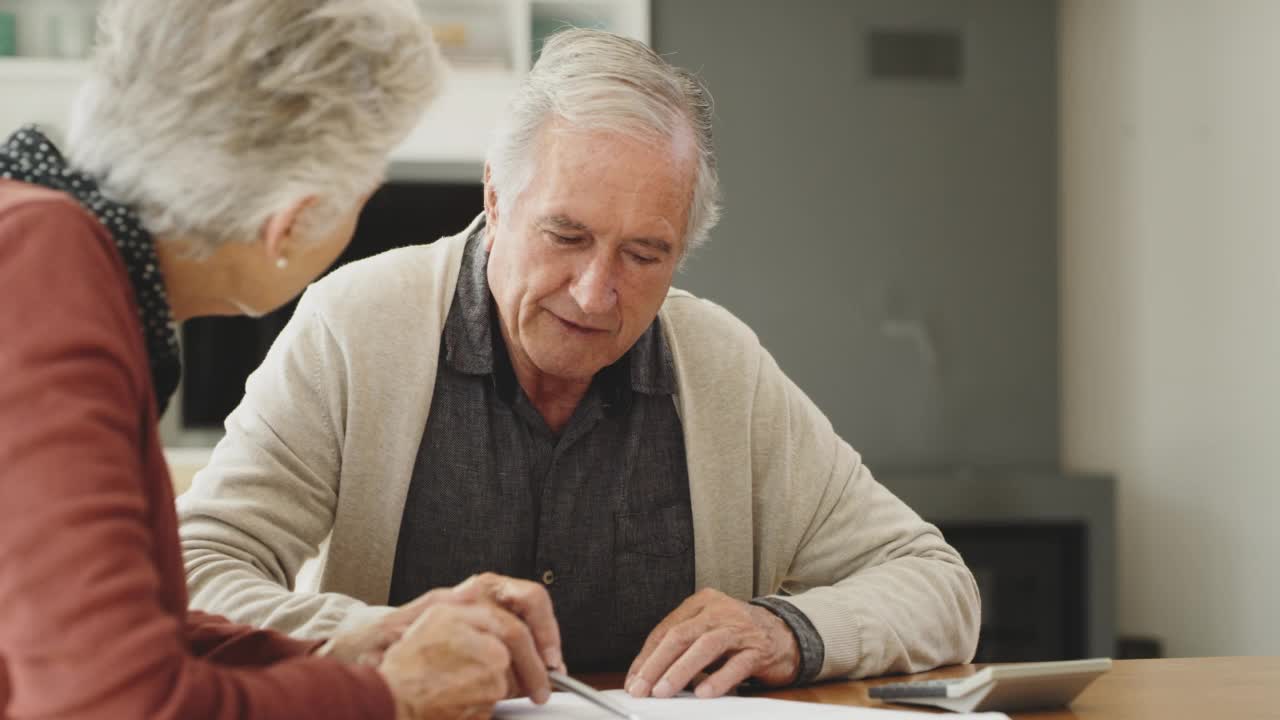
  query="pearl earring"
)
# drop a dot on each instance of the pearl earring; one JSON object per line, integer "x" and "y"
{"x": 282, "y": 263}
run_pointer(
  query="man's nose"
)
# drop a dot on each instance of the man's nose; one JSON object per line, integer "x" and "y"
{"x": 595, "y": 289}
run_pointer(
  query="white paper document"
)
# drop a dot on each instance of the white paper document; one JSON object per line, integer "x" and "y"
{"x": 567, "y": 706}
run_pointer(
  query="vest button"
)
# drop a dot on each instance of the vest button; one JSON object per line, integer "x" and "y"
{"x": 548, "y": 577}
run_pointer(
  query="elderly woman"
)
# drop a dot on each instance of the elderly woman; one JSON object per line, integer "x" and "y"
{"x": 218, "y": 158}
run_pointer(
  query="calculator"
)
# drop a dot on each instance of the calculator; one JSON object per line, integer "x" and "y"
{"x": 1001, "y": 688}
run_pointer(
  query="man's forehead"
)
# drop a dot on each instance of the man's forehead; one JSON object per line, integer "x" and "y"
{"x": 560, "y": 137}
{"x": 570, "y": 171}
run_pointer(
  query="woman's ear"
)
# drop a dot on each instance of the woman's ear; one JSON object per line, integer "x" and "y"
{"x": 282, "y": 229}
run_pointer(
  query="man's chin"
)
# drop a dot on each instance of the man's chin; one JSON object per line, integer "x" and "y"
{"x": 559, "y": 366}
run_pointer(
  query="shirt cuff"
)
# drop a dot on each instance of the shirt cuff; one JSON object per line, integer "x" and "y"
{"x": 812, "y": 650}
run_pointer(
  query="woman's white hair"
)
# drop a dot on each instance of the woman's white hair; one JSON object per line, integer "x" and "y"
{"x": 209, "y": 116}
{"x": 597, "y": 80}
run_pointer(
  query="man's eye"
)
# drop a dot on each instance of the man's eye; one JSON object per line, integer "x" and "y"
{"x": 643, "y": 259}
{"x": 564, "y": 239}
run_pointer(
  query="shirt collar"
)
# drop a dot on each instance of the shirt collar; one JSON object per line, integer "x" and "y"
{"x": 472, "y": 339}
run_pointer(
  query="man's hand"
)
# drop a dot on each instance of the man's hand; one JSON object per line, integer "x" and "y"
{"x": 527, "y": 601}
{"x": 709, "y": 629}
{"x": 366, "y": 644}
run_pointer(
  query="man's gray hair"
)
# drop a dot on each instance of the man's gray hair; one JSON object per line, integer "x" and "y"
{"x": 209, "y": 116}
{"x": 595, "y": 80}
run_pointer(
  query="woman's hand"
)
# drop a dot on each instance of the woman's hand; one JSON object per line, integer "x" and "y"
{"x": 457, "y": 661}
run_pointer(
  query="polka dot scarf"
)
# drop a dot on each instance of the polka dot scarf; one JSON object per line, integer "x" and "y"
{"x": 29, "y": 156}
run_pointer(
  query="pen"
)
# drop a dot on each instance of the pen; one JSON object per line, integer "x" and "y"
{"x": 560, "y": 681}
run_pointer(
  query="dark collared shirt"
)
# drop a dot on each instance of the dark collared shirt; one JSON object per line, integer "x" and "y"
{"x": 599, "y": 512}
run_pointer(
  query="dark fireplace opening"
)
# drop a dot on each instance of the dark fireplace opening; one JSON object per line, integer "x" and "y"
{"x": 1035, "y": 588}
{"x": 220, "y": 353}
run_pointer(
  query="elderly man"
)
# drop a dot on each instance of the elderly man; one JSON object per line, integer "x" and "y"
{"x": 531, "y": 399}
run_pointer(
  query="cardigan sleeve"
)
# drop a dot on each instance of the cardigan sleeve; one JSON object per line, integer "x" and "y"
{"x": 267, "y": 500}
{"x": 881, "y": 586}
{"x": 87, "y": 633}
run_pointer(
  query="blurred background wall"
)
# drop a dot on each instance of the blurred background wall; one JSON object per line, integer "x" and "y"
{"x": 1170, "y": 267}
{"x": 892, "y": 236}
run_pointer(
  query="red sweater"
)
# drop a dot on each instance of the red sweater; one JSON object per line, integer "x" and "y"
{"x": 93, "y": 601}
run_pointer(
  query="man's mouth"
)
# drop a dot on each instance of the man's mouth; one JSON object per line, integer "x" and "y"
{"x": 576, "y": 328}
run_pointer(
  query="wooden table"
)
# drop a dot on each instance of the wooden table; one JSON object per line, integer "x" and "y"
{"x": 1239, "y": 688}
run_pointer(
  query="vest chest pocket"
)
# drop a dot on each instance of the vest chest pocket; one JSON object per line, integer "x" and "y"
{"x": 653, "y": 566}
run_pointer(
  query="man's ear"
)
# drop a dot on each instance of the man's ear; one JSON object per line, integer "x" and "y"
{"x": 281, "y": 231}
{"x": 490, "y": 209}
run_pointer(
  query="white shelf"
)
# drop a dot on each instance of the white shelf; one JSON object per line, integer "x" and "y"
{"x": 38, "y": 70}
{"x": 37, "y": 91}
{"x": 454, "y": 132}
{"x": 457, "y": 127}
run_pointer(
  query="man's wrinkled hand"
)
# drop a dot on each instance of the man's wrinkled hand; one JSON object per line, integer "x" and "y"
{"x": 366, "y": 645}
{"x": 525, "y": 599}
{"x": 713, "y": 632}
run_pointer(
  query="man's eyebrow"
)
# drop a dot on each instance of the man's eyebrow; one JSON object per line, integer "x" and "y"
{"x": 655, "y": 243}
{"x": 564, "y": 222}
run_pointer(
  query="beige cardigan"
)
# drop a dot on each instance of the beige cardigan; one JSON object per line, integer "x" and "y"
{"x": 324, "y": 442}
